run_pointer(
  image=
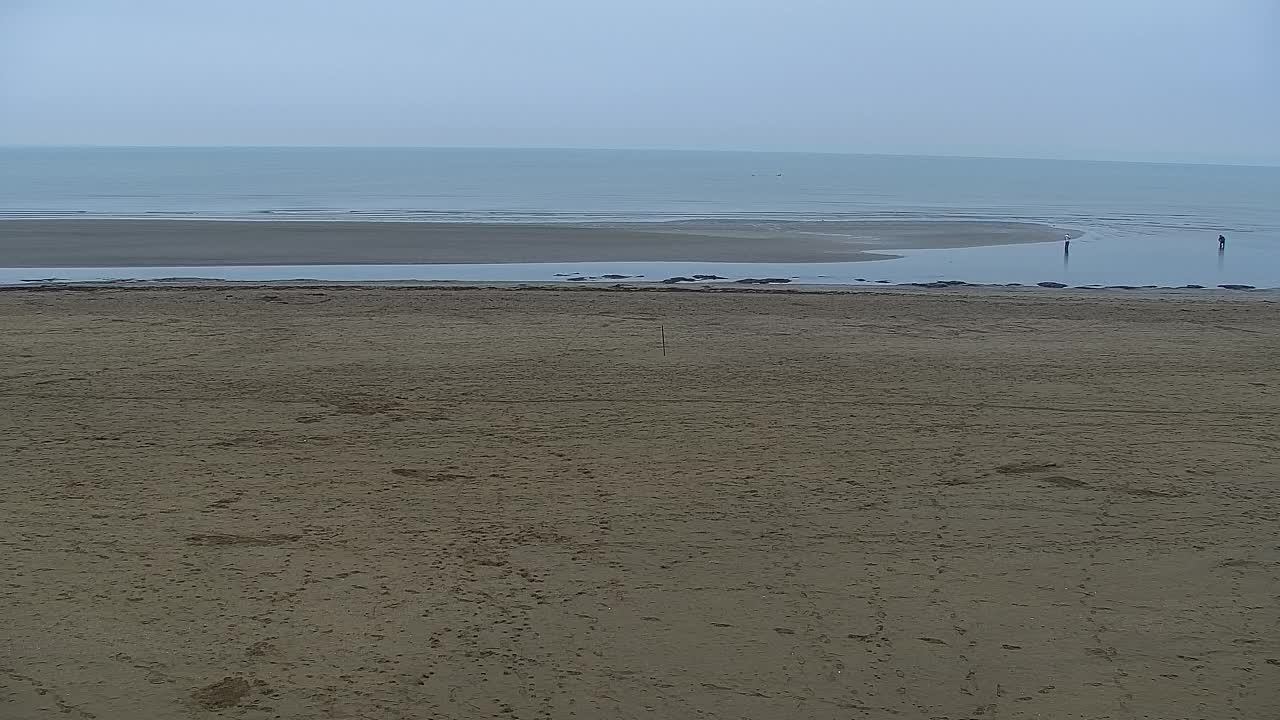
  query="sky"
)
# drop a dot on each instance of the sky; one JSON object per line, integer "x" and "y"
{"x": 1159, "y": 80}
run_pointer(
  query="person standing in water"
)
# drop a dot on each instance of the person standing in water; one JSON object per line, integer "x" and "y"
{"x": 1222, "y": 242}
{"x": 1066, "y": 244}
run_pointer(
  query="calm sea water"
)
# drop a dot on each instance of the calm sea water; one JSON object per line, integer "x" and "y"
{"x": 1157, "y": 215}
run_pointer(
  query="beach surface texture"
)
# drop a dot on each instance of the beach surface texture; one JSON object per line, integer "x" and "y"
{"x": 316, "y": 502}
{"x": 142, "y": 243}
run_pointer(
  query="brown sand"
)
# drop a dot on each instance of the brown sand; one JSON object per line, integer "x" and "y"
{"x": 159, "y": 243}
{"x": 385, "y": 504}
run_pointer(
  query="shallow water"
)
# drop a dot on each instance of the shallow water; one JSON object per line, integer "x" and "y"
{"x": 1174, "y": 260}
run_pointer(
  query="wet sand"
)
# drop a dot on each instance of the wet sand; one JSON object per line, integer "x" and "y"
{"x": 386, "y": 503}
{"x": 160, "y": 243}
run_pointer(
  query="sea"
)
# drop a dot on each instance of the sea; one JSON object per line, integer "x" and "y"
{"x": 1143, "y": 223}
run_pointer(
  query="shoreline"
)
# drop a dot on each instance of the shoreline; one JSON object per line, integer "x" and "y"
{"x": 947, "y": 288}
{"x": 108, "y": 243}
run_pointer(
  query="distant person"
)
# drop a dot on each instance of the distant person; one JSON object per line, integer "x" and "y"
{"x": 1222, "y": 242}
{"x": 1066, "y": 243}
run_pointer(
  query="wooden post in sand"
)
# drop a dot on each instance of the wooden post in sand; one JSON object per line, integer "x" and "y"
{"x": 663, "y": 333}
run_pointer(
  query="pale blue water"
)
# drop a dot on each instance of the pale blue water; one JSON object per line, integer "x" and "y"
{"x": 1144, "y": 222}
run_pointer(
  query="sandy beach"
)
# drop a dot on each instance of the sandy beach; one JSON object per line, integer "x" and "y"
{"x": 390, "y": 503}
{"x": 151, "y": 243}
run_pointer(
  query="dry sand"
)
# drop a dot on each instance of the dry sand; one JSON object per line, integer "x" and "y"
{"x": 152, "y": 243}
{"x": 386, "y": 504}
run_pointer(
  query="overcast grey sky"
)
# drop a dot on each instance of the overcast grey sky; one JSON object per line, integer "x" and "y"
{"x": 1186, "y": 80}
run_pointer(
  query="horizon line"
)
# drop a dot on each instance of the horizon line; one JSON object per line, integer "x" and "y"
{"x": 548, "y": 148}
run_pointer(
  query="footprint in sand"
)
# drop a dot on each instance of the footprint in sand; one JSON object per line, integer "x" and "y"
{"x": 1146, "y": 492}
{"x": 1025, "y": 467}
{"x": 428, "y": 476}
{"x": 225, "y": 693}
{"x": 261, "y": 648}
{"x": 1239, "y": 563}
{"x": 253, "y": 540}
